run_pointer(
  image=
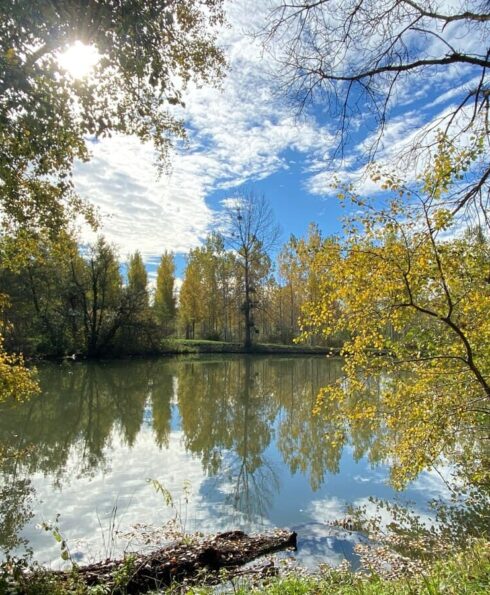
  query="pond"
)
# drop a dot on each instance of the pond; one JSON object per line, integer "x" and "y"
{"x": 232, "y": 439}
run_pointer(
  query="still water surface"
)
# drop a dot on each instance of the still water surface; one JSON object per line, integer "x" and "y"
{"x": 236, "y": 431}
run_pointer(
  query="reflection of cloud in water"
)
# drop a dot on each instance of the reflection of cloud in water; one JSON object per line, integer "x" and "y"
{"x": 429, "y": 483}
{"x": 239, "y": 430}
{"x": 386, "y": 517}
{"x": 433, "y": 483}
{"x": 88, "y": 500}
{"x": 327, "y": 509}
{"x": 319, "y": 543}
{"x": 86, "y": 503}
{"x": 373, "y": 478}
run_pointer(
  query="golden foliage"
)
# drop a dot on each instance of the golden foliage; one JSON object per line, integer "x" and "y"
{"x": 16, "y": 381}
{"x": 411, "y": 291}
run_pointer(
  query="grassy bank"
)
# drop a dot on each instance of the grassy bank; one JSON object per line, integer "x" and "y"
{"x": 169, "y": 347}
{"x": 189, "y": 346}
{"x": 467, "y": 572}
{"x": 463, "y": 573}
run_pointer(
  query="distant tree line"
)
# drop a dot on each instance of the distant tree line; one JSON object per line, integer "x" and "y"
{"x": 65, "y": 299}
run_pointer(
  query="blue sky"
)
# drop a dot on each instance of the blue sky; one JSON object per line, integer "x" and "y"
{"x": 246, "y": 134}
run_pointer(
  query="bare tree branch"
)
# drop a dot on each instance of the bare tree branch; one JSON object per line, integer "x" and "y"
{"x": 356, "y": 56}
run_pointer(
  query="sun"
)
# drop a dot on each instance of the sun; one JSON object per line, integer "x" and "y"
{"x": 79, "y": 59}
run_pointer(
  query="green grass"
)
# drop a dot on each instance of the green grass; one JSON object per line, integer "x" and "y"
{"x": 196, "y": 346}
{"x": 463, "y": 574}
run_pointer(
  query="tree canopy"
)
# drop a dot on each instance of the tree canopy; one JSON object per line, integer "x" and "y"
{"x": 252, "y": 232}
{"x": 164, "y": 304}
{"x": 147, "y": 53}
{"x": 410, "y": 291}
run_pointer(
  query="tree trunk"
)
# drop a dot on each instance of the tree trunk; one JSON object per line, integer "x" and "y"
{"x": 247, "y": 312}
{"x": 183, "y": 561}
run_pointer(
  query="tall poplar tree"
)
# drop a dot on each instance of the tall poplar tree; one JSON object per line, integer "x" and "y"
{"x": 191, "y": 304}
{"x": 138, "y": 280}
{"x": 164, "y": 305}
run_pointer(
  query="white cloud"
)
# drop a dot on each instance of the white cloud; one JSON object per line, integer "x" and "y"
{"x": 407, "y": 144}
{"x": 435, "y": 483}
{"x": 86, "y": 503}
{"x": 138, "y": 210}
{"x": 237, "y": 134}
{"x": 327, "y": 510}
{"x": 244, "y": 132}
{"x": 122, "y": 495}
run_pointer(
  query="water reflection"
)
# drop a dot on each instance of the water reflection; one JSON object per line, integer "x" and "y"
{"x": 227, "y": 412}
{"x": 248, "y": 420}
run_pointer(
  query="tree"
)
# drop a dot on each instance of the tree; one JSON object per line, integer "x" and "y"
{"x": 224, "y": 268}
{"x": 411, "y": 290}
{"x": 191, "y": 295}
{"x": 147, "y": 52}
{"x": 251, "y": 234}
{"x": 140, "y": 332}
{"x": 295, "y": 275}
{"x": 164, "y": 305}
{"x": 62, "y": 300}
{"x": 217, "y": 277}
{"x": 207, "y": 293}
{"x": 138, "y": 280}
{"x": 101, "y": 303}
{"x": 42, "y": 308}
{"x": 357, "y": 55}
{"x": 16, "y": 382}
{"x": 27, "y": 321}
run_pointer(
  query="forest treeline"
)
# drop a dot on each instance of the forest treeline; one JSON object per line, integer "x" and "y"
{"x": 66, "y": 299}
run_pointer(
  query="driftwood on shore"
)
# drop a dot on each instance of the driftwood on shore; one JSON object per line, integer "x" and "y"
{"x": 184, "y": 560}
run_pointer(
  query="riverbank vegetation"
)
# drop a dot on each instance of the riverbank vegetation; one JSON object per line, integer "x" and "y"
{"x": 465, "y": 572}
{"x": 407, "y": 280}
{"x": 68, "y": 299}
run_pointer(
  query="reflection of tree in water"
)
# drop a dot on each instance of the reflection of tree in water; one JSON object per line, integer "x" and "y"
{"x": 227, "y": 411}
{"x": 230, "y": 410}
{"x": 16, "y": 497}
{"x": 76, "y": 414}
{"x": 368, "y": 436}
{"x": 203, "y": 397}
{"x": 161, "y": 393}
{"x": 302, "y": 436}
{"x": 309, "y": 443}
{"x": 68, "y": 428}
{"x": 253, "y": 477}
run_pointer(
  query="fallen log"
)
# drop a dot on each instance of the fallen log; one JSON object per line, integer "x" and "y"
{"x": 183, "y": 560}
